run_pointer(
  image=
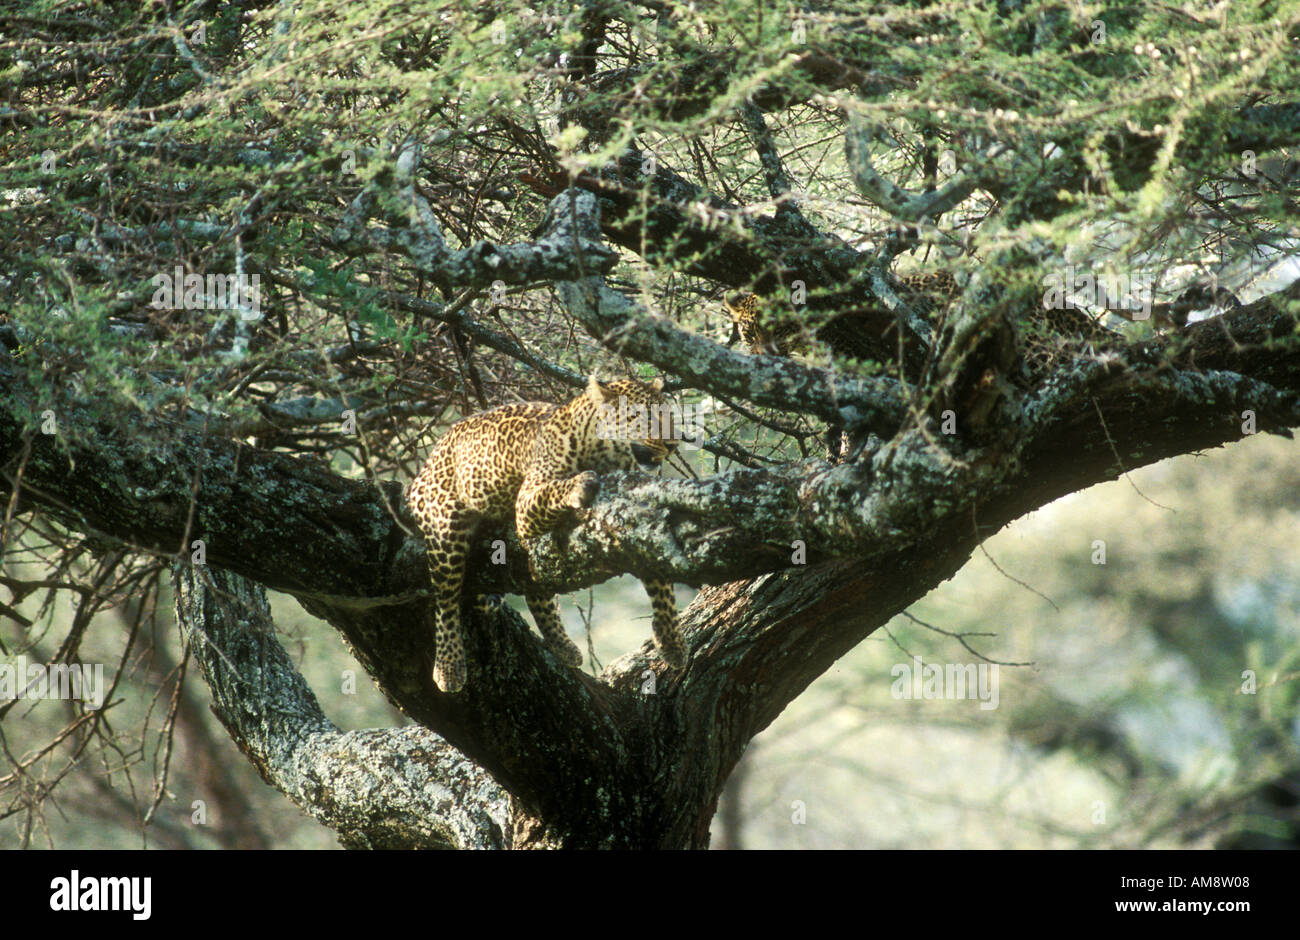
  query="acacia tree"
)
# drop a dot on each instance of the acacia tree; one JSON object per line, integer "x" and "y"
{"x": 448, "y": 205}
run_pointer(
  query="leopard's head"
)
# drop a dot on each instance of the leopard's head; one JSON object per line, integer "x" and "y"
{"x": 635, "y": 421}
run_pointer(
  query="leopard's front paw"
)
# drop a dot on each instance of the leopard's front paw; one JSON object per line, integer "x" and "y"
{"x": 583, "y": 491}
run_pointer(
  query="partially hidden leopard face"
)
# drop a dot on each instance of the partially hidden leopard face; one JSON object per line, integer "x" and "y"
{"x": 749, "y": 313}
{"x": 928, "y": 292}
{"x": 537, "y": 462}
{"x": 765, "y": 330}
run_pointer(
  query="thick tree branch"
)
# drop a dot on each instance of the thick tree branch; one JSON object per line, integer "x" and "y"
{"x": 132, "y": 477}
{"x": 412, "y": 230}
{"x": 382, "y": 788}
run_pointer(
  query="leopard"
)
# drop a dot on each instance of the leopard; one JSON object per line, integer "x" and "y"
{"x": 538, "y": 463}
{"x": 765, "y": 332}
{"x": 759, "y": 336}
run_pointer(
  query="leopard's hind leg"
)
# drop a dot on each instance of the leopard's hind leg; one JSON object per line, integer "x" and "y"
{"x": 667, "y": 632}
{"x": 447, "y": 540}
{"x": 547, "y": 614}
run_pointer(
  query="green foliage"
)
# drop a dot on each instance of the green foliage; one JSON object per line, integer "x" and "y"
{"x": 341, "y": 286}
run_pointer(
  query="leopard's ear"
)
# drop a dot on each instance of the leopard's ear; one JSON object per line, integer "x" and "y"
{"x": 595, "y": 391}
{"x": 657, "y": 384}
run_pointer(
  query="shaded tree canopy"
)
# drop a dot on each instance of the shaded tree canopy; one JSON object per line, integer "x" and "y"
{"x": 445, "y": 206}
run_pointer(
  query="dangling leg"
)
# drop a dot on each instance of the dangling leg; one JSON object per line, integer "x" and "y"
{"x": 538, "y": 508}
{"x": 547, "y": 614}
{"x": 447, "y": 542}
{"x": 668, "y": 635}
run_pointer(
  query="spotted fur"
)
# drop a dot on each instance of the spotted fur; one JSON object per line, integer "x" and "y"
{"x": 764, "y": 330}
{"x": 758, "y": 334}
{"x": 537, "y": 462}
